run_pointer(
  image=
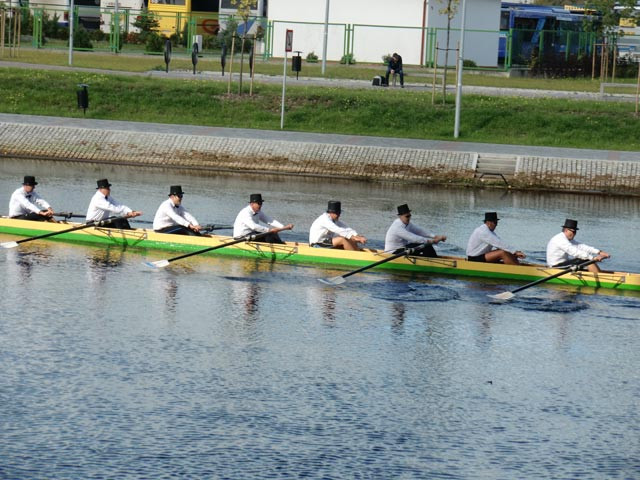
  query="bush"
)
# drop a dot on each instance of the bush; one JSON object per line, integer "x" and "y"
{"x": 154, "y": 43}
{"x": 312, "y": 57}
{"x": 385, "y": 58}
{"x": 97, "y": 35}
{"x": 81, "y": 38}
{"x": 469, "y": 63}
{"x": 348, "y": 59}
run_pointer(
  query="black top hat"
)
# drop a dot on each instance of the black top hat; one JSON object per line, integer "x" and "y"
{"x": 334, "y": 207}
{"x": 491, "y": 217}
{"x": 30, "y": 180}
{"x": 176, "y": 190}
{"x": 103, "y": 183}
{"x": 403, "y": 209}
{"x": 570, "y": 224}
{"x": 256, "y": 198}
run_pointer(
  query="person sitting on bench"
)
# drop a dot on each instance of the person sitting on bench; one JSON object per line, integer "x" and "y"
{"x": 395, "y": 67}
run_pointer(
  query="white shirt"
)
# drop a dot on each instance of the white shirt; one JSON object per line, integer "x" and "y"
{"x": 22, "y": 203}
{"x": 169, "y": 214}
{"x": 483, "y": 240}
{"x": 560, "y": 249}
{"x": 102, "y": 207}
{"x": 247, "y": 222}
{"x": 323, "y": 229}
{"x": 400, "y": 235}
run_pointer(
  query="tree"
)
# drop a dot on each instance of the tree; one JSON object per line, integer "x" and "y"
{"x": 450, "y": 9}
{"x": 609, "y": 13}
{"x": 244, "y": 12}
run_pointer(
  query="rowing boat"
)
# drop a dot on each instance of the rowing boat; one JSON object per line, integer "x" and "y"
{"x": 303, "y": 253}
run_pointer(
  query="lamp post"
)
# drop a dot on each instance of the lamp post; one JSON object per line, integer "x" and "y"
{"x": 456, "y": 127}
{"x": 326, "y": 35}
{"x": 70, "y": 32}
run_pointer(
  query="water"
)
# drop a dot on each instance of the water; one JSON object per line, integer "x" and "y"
{"x": 235, "y": 368}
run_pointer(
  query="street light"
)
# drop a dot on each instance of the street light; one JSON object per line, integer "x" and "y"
{"x": 456, "y": 127}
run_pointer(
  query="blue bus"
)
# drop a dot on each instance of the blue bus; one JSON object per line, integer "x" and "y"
{"x": 522, "y": 27}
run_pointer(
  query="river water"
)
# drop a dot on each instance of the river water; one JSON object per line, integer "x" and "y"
{"x": 241, "y": 369}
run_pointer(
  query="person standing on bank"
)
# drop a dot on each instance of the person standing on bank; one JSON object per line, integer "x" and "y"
{"x": 404, "y": 234}
{"x": 563, "y": 250}
{"x": 485, "y": 246}
{"x": 395, "y": 66}
{"x": 327, "y": 231}
{"x": 171, "y": 216}
{"x": 103, "y": 206}
{"x": 251, "y": 219}
{"x": 26, "y": 204}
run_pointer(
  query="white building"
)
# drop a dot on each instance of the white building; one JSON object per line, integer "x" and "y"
{"x": 373, "y": 28}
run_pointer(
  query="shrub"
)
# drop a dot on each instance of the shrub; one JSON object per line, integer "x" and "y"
{"x": 469, "y": 63}
{"x": 385, "y": 58}
{"x": 81, "y": 38}
{"x": 154, "y": 43}
{"x": 312, "y": 57}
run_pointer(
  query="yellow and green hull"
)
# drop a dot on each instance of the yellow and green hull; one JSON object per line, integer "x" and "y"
{"x": 303, "y": 253}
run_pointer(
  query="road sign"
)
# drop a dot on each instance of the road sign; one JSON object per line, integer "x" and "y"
{"x": 288, "y": 43}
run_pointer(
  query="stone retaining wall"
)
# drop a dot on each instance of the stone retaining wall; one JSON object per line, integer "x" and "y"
{"x": 223, "y": 153}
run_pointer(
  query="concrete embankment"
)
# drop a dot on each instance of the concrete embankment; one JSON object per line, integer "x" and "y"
{"x": 332, "y": 156}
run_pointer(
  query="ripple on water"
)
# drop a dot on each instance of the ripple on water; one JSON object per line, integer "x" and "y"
{"x": 411, "y": 292}
{"x": 552, "y": 305}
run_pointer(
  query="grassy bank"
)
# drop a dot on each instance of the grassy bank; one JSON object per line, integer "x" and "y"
{"x": 381, "y": 112}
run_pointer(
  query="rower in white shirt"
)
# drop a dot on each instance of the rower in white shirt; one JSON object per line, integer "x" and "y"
{"x": 563, "y": 250}
{"x": 327, "y": 231}
{"x": 404, "y": 234}
{"x": 26, "y": 204}
{"x": 485, "y": 246}
{"x": 171, "y": 216}
{"x": 103, "y": 205}
{"x": 251, "y": 220}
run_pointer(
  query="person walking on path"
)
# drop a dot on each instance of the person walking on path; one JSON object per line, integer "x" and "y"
{"x": 171, "y": 216}
{"x": 103, "y": 205}
{"x": 26, "y": 204}
{"x": 404, "y": 234}
{"x": 563, "y": 250}
{"x": 485, "y": 246}
{"x": 327, "y": 231}
{"x": 251, "y": 219}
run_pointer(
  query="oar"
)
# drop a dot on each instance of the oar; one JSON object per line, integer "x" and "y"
{"x": 207, "y": 228}
{"x": 341, "y": 278}
{"x": 92, "y": 223}
{"x": 512, "y": 293}
{"x": 164, "y": 263}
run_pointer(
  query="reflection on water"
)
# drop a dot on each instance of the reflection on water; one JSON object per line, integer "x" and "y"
{"x": 218, "y": 367}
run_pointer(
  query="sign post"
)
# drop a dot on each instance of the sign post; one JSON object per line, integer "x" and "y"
{"x": 288, "y": 47}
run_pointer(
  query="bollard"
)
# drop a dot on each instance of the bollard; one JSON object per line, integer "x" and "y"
{"x": 83, "y": 97}
{"x": 296, "y": 63}
{"x": 167, "y": 54}
{"x": 194, "y": 56}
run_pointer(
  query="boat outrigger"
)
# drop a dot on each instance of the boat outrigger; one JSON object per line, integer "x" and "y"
{"x": 303, "y": 253}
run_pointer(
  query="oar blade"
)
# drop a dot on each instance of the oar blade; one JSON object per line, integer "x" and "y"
{"x": 332, "y": 281}
{"x": 9, "y": 244}
{"x": 503, "y": 297}
{"x": 157, "y": 264}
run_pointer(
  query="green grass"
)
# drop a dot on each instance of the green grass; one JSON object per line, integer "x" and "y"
{"x": 379, "y": 112}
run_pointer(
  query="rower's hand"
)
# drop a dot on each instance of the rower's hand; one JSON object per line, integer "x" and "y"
{"x": 519, "y": 254}
{"x": 135, "y": 213}
{"x": 46, "y": 213}
{"x": 286, "y": 227}
{"x": 195, "y": 228}
{"x": 601, "y": 256}
{"x": 360, "y": 239}
{"x": 439, "y": 238}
